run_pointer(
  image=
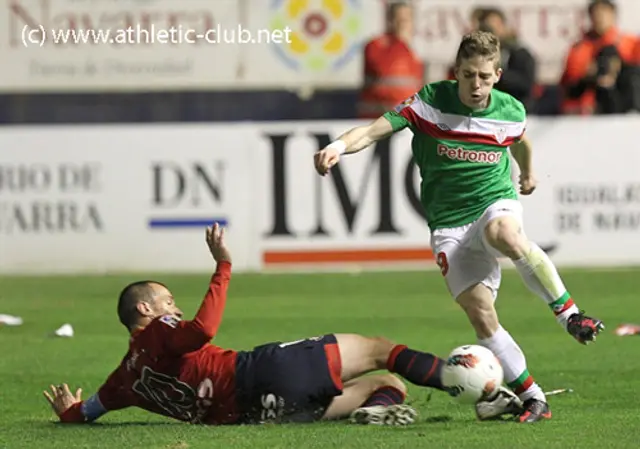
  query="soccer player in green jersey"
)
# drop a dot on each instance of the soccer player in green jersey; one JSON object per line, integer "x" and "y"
{"x": 462, "y": 131}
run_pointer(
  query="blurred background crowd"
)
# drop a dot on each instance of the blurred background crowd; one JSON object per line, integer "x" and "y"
{"x": 601, "y": 75}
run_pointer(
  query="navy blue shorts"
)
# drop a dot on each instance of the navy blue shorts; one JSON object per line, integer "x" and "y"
{"x": 288, "y": 382}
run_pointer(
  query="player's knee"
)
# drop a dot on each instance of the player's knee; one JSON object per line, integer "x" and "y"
{"x": 379, "y": 350}
{"x": 478, "y": 311}
{"x": 382, "y": 342}
{"x": 389, "y": 380}
{"x": 362, "y": 354}
{"x": 505, "y": 235}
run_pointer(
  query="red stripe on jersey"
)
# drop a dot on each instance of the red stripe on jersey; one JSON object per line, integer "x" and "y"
{"x": 437, "y": 133}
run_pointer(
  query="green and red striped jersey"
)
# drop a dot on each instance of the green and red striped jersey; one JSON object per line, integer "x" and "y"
{"x": 462, "y": 153}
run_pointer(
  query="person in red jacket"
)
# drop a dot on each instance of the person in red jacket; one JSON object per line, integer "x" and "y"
{"x": 595, "y": 63}
{"x": 392, "y": 71}
{"x": 173, "y": 370}
{"x": 636, "y": 53}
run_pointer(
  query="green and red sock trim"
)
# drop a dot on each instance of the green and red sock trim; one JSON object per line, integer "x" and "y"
{"x": 562, "y": 304}
{"x": 522, "y": 383}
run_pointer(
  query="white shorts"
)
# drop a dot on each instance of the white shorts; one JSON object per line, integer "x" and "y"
{"x": 463, "y": 254}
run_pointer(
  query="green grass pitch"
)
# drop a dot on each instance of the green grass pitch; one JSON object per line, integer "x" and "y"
{"x": 412, "y": 308}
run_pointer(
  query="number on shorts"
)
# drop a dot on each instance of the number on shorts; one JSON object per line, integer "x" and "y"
{"x": 443, "y": 263}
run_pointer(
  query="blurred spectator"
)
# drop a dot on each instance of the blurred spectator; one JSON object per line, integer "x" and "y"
{"x": 635, "y": 74}
{"x": 474, "y": 25}
{"x": 597, "y": 78}
{"x": 475, "y": 18}
{"x": 518, "y": 64}
{"x": 392, "y": 72}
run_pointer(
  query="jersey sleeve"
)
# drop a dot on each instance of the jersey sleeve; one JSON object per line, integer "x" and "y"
{"x": 110, "y": 397}
{"x": 520, "y": 113}
{"x": 181, "y": 337}
{"x": 398, "y": 117}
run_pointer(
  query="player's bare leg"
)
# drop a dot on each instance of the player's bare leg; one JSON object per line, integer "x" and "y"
{"x": 505, "y": 234}
{"x": 375, "y": 399}
{"x": 360, "y": 355}
{"x": 478, "y": 303}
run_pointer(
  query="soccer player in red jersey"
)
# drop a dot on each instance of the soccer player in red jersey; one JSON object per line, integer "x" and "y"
{"x": 172, "y": 369}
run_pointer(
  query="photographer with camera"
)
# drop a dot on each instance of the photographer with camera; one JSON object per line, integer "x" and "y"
{"x": 599, "y": 77}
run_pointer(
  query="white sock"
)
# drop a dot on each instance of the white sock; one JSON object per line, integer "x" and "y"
{"x": 514, "y": 365}
{"x": 541, "y": 277}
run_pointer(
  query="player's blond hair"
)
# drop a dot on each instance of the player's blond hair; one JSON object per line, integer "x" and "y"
{"x": 479, "y": 43}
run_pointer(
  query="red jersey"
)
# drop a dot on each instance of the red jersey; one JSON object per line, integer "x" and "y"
{"x": 636, "y": 53}
{"x": 172, "y": 369}
{"x": 392, "y": 73}
{"x": 581, "y": 56}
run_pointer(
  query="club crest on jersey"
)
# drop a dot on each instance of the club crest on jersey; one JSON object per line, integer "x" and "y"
{"x": 501, "y": 134}
{"x": 171, "y": 320}
{"x": 408, "y": 102}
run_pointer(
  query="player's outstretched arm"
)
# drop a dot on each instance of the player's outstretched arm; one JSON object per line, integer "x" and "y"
{"x": 354, "y": 140}
{"x": 192, "y": 335}
{"x": 71, "y": 408}
{"x": 209, "y": 315}
{"x": 64, "y": 403}
{"x": 522, "y": 153}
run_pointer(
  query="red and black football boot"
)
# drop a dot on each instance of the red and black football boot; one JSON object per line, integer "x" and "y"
{"x": 534, "y": 410}
{"x": 583, "y": 328}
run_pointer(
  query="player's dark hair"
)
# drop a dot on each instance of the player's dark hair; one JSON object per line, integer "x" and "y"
{"x": 129, "y": 298}
{"x": 479, "y": 43}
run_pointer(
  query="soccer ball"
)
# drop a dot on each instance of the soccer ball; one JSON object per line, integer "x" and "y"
{"x": 472, "y": 373}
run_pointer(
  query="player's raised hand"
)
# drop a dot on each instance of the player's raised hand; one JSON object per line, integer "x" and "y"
{"x": 61, "y": 398}
{"x": 215, "y": 241}
{"x": 527, "y": 184}
{"x": 325, "y": 159}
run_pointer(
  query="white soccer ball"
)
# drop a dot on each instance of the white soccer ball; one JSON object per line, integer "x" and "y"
{"x": 472, "y": 373}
